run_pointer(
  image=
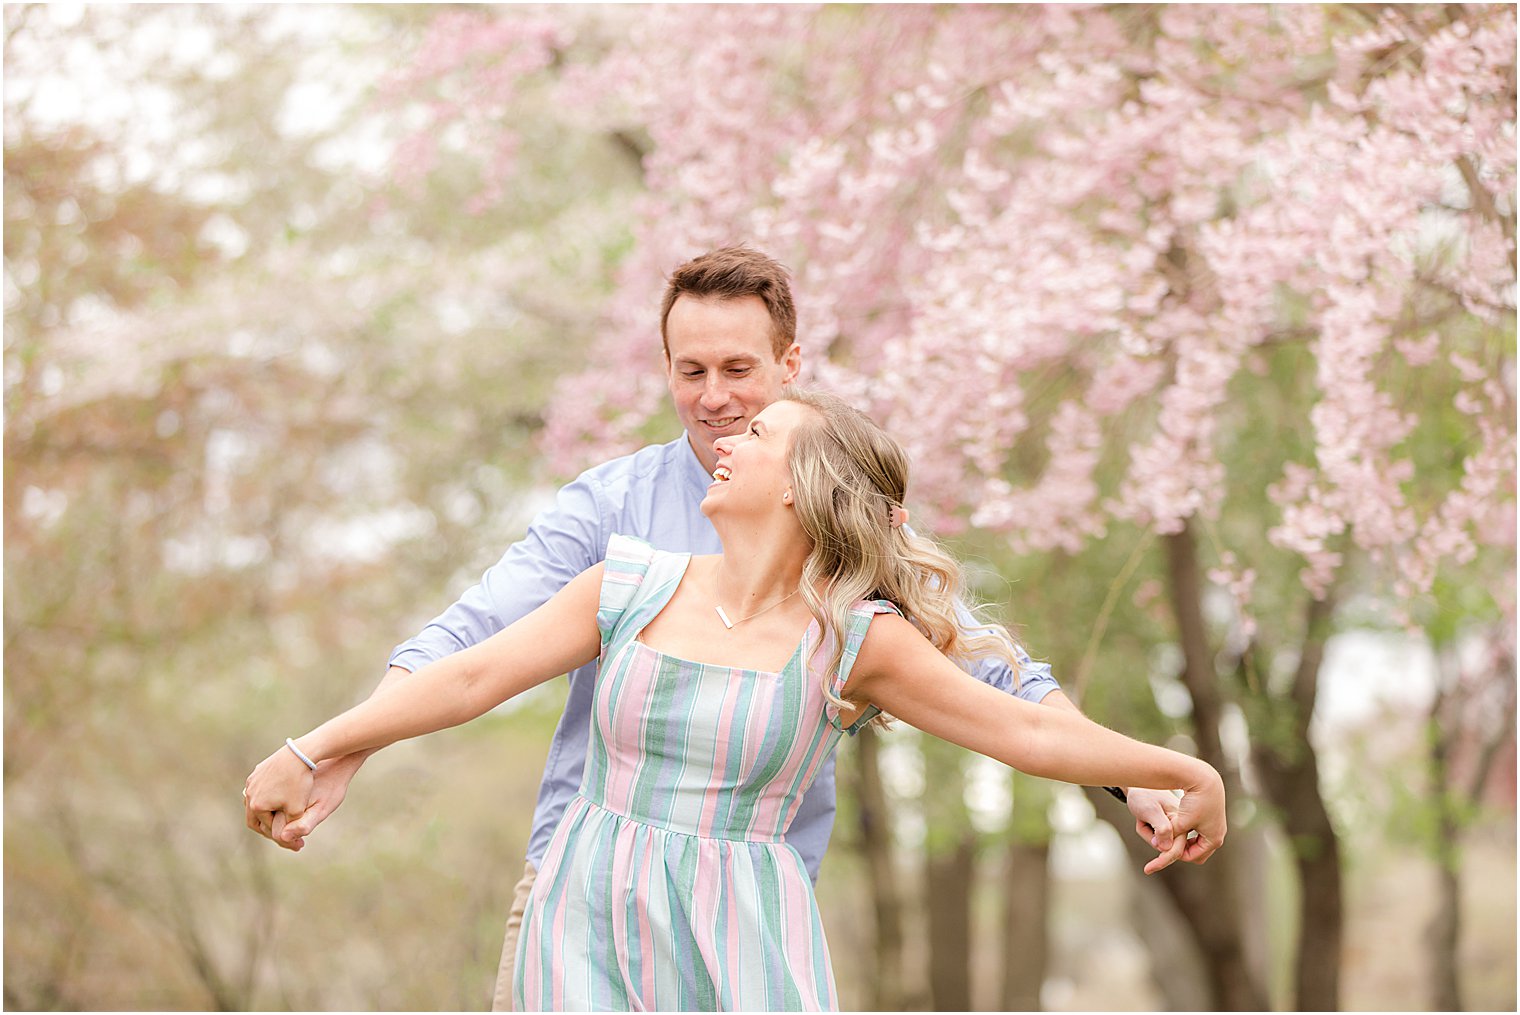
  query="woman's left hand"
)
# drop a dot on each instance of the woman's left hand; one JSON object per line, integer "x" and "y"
{"x": 278, "y": 790}
{"x": 1202, "y": 811}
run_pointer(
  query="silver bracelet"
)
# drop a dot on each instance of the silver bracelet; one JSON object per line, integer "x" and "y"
{"x": 304, "y": 759}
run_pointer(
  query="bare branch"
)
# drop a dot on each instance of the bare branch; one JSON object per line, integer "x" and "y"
{"x": 1483, "y": 204}
{"x": 624, "y": 141}
{"x": 1491, "y": 744}
{"x": 1311, "y": 655}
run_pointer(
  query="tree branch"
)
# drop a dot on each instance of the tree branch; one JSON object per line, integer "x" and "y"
{"x": 1491, "y": 745}
{"x": 1306, "y": 679}
{"x": 1198, "y": 667}
{"x": 1483, "y": 203}
{"x": 624, "y": 141}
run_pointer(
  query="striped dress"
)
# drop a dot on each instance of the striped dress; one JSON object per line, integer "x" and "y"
{"x": 668, "y": 885}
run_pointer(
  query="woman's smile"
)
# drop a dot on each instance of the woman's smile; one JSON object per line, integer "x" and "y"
{"x": 762, "y": 449}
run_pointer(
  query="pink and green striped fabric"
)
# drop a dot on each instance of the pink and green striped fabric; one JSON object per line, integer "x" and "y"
{"x": 669, "y": 884}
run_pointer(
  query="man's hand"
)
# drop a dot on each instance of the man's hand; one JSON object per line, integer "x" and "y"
{"x": 1198, "y": 825}
{"x": 1153, "y": 810}
{"x": 329, "y": 787}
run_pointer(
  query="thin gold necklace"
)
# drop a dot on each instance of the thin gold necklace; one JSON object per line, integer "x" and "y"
{"x": 731, "y": 624}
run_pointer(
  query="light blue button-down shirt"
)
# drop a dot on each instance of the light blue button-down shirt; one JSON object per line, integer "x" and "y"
{"x": 652, "y": 494}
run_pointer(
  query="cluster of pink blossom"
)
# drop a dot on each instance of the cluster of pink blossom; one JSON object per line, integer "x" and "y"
{"x": 1049, "y": 245}
{"x": 1376, "y": 260}
{"x": 495, "y": 55}
{"x": 1240, "y": 583}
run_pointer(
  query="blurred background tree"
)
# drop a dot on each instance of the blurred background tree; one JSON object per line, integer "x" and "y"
{"x": 1199, "y": 323}
{"x": 264, "y": 410}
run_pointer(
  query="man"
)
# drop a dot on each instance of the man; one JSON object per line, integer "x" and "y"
{"x": 729, "y": 332}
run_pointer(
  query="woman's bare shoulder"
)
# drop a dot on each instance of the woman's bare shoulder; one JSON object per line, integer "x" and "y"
{"x": 890, "y": 640}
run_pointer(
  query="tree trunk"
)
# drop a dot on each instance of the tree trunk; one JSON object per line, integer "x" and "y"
{"x": 1289, "y": 769}
{"x": 949, "y": 866}
{"x": 1168, "y": 935}
{"x": 1207, "y": 896}
{"x": 1446, "y": 730}
{"x": 948, "y": 881}
{"x": 1026, "y": 905}
{"x": 1026, "y": 895}
{"x": 876, "y": 844}
{"x": 1443, "y": 933}
{"x": 1294, "y": 789}
{"x": 1208, "y": 899}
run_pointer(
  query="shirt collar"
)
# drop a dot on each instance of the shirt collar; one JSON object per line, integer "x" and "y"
{"x": 699, "y": 477}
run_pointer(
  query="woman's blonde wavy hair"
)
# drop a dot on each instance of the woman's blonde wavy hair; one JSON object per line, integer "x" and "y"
{"x": 847, "y": 474}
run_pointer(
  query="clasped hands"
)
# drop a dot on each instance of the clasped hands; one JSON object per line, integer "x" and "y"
{"x": 284, "y": 801}
{"x": 1189, "y": 829}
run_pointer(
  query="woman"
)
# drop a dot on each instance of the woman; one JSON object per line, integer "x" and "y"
{"x": 725, "y": 681}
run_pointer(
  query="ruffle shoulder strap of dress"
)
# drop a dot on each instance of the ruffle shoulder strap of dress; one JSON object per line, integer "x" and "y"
{"x": 860, "y": 623}
{"x": 626, "y": 564}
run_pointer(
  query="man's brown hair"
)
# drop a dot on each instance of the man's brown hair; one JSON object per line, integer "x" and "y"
{"x": 729, "y": 273}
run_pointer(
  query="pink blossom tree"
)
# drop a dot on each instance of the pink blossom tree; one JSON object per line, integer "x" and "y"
{"x": 1081, "y": 261}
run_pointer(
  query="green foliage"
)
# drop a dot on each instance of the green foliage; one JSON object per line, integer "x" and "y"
{"x": 1457, "y": 605}
{"x": 1029, "y": 821}
{"x": 1275, "y": 726}
{"x": 1427, "y": 817}
{"x": 947, "y": 823}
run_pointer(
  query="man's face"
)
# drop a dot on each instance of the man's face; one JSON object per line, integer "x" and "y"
{"x": 721, "y": 367}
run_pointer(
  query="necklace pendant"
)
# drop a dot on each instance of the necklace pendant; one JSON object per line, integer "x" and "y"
{"x": 724, "y": 617}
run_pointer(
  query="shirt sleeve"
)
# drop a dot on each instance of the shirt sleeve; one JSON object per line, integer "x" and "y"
{"x": 1034, "y": 680}
{"x": 563, "y": 541}
{"x": 814, "y": 820}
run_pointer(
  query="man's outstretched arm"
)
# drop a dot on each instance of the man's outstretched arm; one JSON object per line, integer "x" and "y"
{"x": 564, "y": 540}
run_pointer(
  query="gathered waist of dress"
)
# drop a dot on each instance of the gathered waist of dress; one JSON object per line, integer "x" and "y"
{"x": 696, "y": 831}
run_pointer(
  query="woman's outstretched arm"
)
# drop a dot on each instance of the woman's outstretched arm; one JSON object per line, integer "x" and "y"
{"x": 556, "y": 638}
{"x": 899, "y": 672}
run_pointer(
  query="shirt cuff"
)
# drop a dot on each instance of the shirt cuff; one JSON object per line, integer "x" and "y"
{"x": 409, "y": 659}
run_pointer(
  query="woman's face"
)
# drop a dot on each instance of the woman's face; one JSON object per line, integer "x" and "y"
{"x": 752, "y": 477}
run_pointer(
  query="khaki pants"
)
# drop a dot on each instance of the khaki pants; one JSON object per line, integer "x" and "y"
{"x": 502, "y": 999}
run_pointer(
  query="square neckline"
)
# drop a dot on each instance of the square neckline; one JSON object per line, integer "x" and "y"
{"x": 638, "y": 637}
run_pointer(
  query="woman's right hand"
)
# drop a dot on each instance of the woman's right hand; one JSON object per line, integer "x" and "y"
{"x": 278, "y": 790}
